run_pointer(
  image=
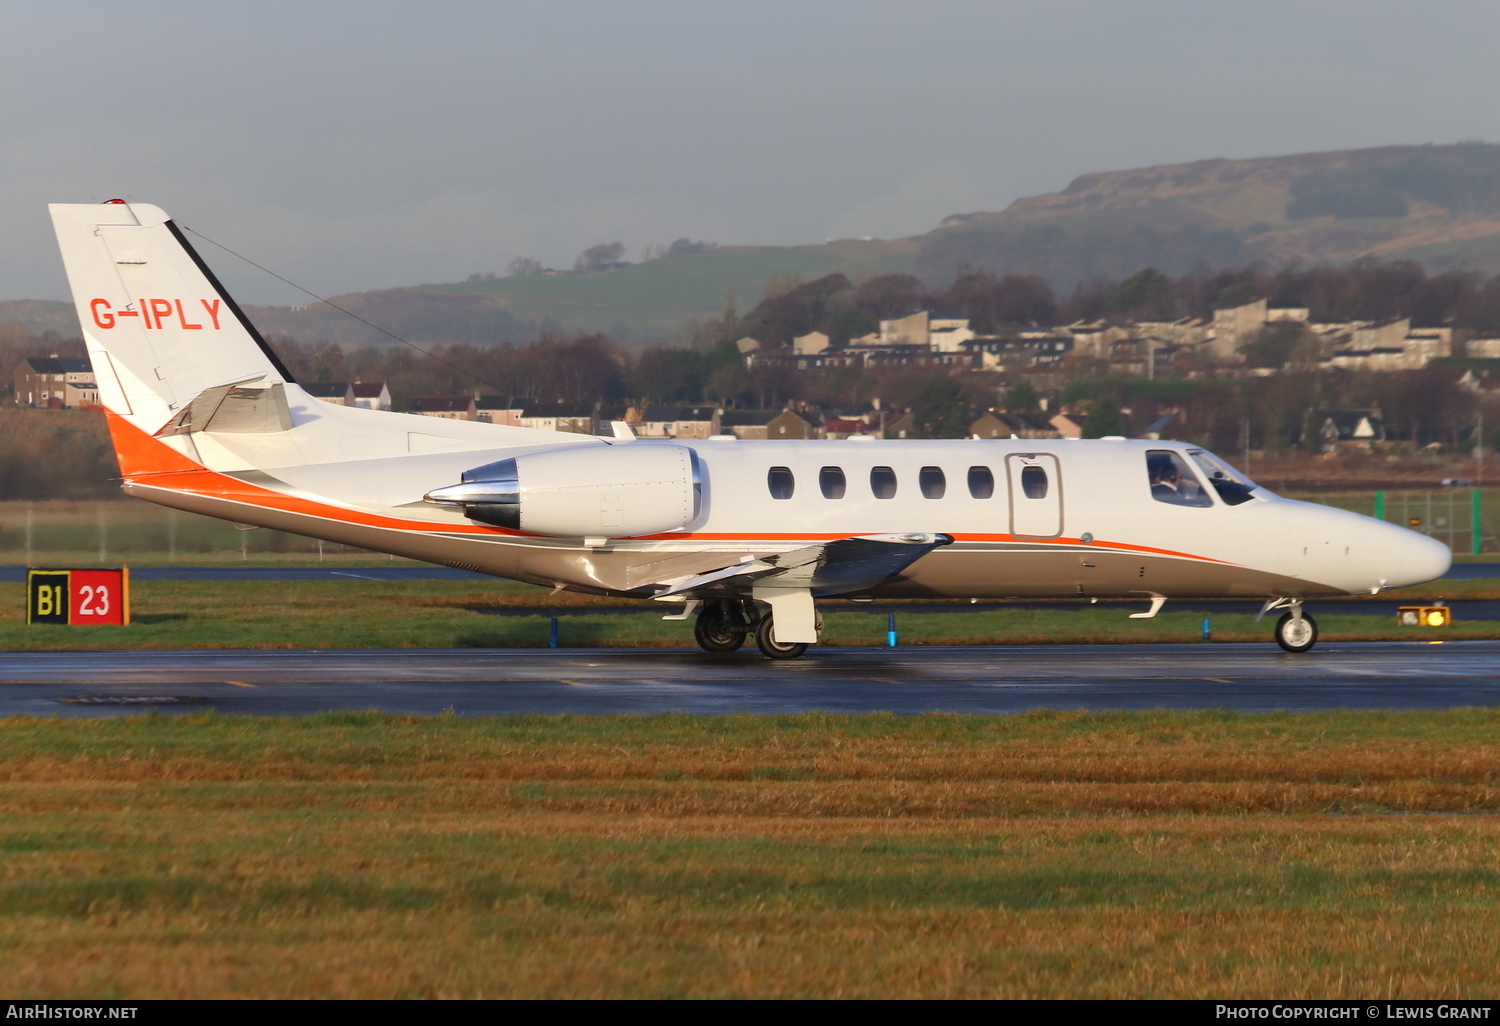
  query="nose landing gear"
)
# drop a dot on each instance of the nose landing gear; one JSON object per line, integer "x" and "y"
{"x": 1295, "y": 631}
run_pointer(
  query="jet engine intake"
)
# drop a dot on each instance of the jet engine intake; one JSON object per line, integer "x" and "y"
{"x": 616, "y": 491}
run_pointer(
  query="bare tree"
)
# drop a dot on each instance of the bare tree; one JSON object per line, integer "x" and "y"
{"x": 599, "y": 258}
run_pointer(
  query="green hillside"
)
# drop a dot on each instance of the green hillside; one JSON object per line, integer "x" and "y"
{"x": 658, "y": 297}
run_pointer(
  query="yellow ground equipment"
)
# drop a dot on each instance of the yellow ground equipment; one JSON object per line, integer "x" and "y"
{"x": 1424, "y": 616}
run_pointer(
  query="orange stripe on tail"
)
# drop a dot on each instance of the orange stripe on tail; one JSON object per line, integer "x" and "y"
{"x": 141, "y": 454}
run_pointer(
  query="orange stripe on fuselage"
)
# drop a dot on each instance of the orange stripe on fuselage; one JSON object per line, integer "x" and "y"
{"x": 1105, "y": 546}
{"x": 150, "y": 461}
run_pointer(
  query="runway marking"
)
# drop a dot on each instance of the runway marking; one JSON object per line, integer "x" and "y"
{"x": 240, "y": 683}
{"x": 1217, "y": 680}
{"x": 570, "y": 683}
{"x": 362, "y": 577}
{"x": 887, "y": 680}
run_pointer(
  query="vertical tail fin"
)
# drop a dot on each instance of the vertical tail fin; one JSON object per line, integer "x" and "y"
{"x": 159, "y": 327}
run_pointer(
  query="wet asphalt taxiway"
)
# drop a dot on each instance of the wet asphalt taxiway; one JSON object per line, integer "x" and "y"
{"x": 1000, "y": 679}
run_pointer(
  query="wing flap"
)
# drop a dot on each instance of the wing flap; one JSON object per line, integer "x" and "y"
{"x": 832, "y": 568}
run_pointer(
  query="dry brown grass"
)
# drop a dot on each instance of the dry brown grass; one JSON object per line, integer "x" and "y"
{"x": 358, "y": 855}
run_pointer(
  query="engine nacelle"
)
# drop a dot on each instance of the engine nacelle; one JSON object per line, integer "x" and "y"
{"x": 614, "y": 491}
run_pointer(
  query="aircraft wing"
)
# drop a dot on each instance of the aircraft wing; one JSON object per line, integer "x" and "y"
{"x": 830, "y": 568}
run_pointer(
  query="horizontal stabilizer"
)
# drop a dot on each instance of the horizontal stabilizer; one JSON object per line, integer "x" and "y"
{"x": 241, "y": 408}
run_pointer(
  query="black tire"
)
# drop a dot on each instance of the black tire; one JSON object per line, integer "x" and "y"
{"x": 719, "y": 627}
{"x": 773, "y": 649}
{"x": 1298, "y": 639}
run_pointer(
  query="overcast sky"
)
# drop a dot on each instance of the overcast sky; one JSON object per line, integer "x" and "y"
{"x": 369, "y": 144}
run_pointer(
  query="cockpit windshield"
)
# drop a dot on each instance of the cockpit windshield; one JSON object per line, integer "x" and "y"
{"x": 1232, "y": 486}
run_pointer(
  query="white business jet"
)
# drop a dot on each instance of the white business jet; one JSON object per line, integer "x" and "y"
{"x": 747, "y": 535}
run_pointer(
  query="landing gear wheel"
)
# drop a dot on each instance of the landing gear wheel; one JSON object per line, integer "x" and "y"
{"x": 719, "y": 628}
{"x": 765, "y": 640}
{"x": 1296, "y": 635}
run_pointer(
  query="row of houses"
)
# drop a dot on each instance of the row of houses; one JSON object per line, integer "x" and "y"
{"x": 1142, "y": 348}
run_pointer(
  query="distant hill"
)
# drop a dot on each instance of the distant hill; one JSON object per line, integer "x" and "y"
{"x": 40, "y": 316}
{"x": 1437, "y": 205}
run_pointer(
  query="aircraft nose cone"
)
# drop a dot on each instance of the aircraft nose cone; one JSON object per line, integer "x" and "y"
{"x": 1423, "y": 559}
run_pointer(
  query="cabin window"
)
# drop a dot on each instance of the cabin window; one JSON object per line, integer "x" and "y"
{"x": 1034, "y": 482}
{"x": 981, "y": 482}
{"x": 883, "y": 482}
{"x": 932, "y": 482}
{"x": 781, "y": 483}
{"x": 831, "y": 480}
{"x": 1172, "y": 481}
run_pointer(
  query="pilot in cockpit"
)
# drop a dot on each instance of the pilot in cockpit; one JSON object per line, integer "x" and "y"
{"x": 1172, "y": 482}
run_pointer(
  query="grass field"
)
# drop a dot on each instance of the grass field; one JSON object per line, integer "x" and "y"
{"x": 1205, "y": 854}
{"x": 443, "y": 614}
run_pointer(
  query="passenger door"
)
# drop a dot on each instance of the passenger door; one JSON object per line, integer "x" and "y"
{"x": 1035, "y": 495}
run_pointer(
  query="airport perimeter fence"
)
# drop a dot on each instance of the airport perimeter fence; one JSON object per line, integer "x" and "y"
{"x": 111, "y": 532}
{"x": 1454, "y": 516}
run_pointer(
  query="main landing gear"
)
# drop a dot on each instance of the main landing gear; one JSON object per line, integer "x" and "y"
{"x": 765, "y": 640}
{"x": 1296, "y": 631}
{"x": 724, "y": 624}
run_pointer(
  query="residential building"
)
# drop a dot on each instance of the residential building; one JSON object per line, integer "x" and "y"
{"x": 1380, "y": 334}
{"x": 576, "y": 418}
{"x": 1484, "y": 348}
{"x": 371, "y": 395}
{"x": 912, "y": 330}
{"x": 1067, "y": 425}
{"x": 812, "y": 343}
{"x": 1189, "y": 331}
{"x": 676, "y": 421}
{"x": 55, "y": 383}
{"x": 339, "y": 393}
{"x": 1428, "y": 344}
{"x": 991, "y": 425}
{"x": 1013, "y": 425}
{"x": 789, "y": 424}
{"x": 746, "y": 424}
{"x": 1031, "y": 350}
{"x": 1094, "y": 339}
{"x": 445, "y": 407}
{"x": 949, "y": 333}
{"x": 499, "y": 409}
